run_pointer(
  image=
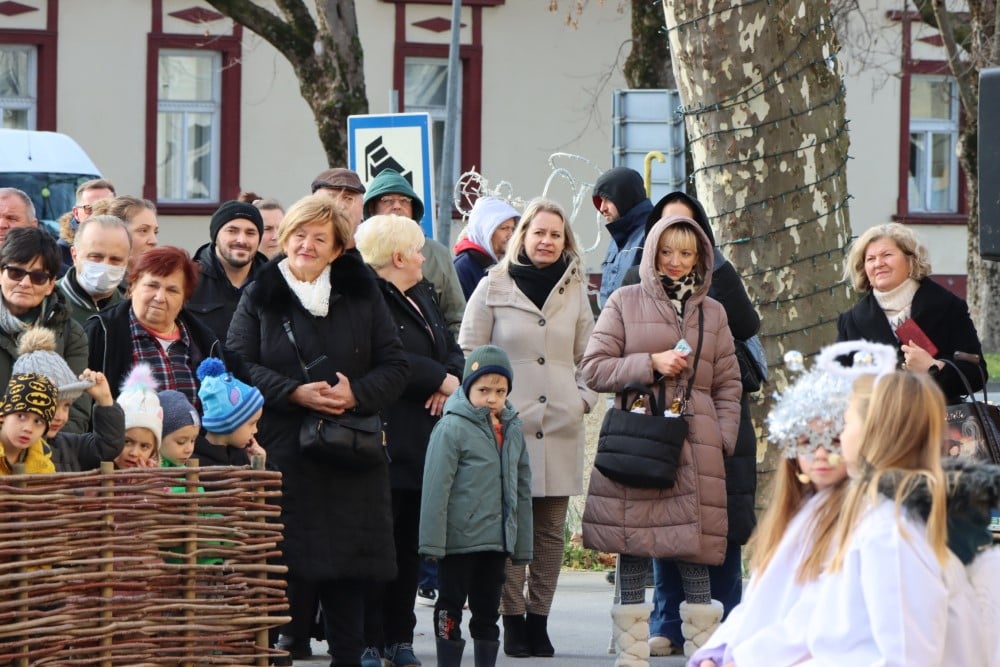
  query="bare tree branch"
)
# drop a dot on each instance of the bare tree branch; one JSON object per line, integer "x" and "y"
{"x": 965, "y": 90}
{"x": 293, "y": 43}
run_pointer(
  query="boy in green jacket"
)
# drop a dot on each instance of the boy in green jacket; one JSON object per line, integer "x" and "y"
{"x": 475, "y": 506}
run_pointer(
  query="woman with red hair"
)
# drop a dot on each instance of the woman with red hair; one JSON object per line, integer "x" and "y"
{"x": 152, "y": 325}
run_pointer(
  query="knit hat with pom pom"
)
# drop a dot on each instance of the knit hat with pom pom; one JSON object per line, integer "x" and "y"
{"x": 36, "y": 353}
{"x": 139, "y": 401}
{"x": 226, "y": 402}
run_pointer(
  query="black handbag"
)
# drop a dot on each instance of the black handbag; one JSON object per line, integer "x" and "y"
{"x": 349, "y": 440}
{"x": 643, "y": 450}
{"x": 973, "y": 426}
{"x": 750, "y": 371}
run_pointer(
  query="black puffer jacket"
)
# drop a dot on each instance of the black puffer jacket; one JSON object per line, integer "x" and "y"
{"x": 71, "y": 345}
{"x": 338, "y": 523}
{"x": 408, "y": 424}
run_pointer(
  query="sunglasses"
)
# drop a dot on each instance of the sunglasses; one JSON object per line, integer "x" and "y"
{"x": 17, "y": 274}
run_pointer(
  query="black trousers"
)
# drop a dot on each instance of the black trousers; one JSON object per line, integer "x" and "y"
{"x": 477, "y": 577}
{"x": 390, "y": 618}
{"x": 343, "y": 603}
{"x": 303, "y": 606}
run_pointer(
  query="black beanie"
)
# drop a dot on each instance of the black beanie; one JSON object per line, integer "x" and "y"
{"x": 235, "y": 210}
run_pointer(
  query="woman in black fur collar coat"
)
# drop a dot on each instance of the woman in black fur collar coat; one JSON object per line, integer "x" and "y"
{"x": 891, "y": 269}
{"x": 338, "y": 524}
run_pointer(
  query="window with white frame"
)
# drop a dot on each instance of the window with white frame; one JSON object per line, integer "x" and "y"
{"x": 426, "y": 88}
{"x": 188, "y": 125}
{"x": 933, "y": 166}
{"x": 18, "y": 86}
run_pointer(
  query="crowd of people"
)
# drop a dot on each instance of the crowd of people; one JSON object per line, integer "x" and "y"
{"x": 113, "y": 348}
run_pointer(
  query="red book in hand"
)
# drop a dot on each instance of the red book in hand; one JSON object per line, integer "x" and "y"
{"x": 911, "y": 331}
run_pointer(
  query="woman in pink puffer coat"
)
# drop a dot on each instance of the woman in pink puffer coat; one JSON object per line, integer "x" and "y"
{"x": 634, "y": 341}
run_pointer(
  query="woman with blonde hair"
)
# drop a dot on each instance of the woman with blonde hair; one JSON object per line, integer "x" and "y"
{"x": 885, "y": 596}
{"x": 795, "y": 536}
{"x": 534, "y": 305}
{"x": 315, "y": 336}
{"x": 139, "y": 215}
{"x": 668, "y": 335}
{"x": 391, "y": 245}
{"x": 889, "y": 266}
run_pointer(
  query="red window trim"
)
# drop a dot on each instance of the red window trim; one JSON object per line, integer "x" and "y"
{"x": 230, "y": 46}
{"x": 46, "y": 41}
{"x": 472, "y": 79}
{"x": 908, "y": 68}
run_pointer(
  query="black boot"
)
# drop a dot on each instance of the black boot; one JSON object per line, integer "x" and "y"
{"x": 538, "y": 636}
{"x": 486, "y": 652}
{"x": 449, "y": 652}
{"x": 515, "y": 637}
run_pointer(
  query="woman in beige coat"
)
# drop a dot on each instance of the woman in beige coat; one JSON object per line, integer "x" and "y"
{"x": 534, "y": 305}
{"x": 688, "y": 521}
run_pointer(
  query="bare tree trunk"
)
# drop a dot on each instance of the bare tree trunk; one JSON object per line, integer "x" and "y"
{"x": 326, "y": 56}
{"x": 765, "y": 116}
{"x": 648, "y": 64}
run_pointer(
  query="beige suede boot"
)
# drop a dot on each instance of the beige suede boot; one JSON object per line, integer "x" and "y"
{"x": 698, "y": 622}
{"x": 630, "y": 626}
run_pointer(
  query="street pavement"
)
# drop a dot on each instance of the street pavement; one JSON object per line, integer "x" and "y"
{"x": 579, "y": 627}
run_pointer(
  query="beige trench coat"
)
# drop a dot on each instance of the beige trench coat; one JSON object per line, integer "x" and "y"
{"x": 545, "y": 346}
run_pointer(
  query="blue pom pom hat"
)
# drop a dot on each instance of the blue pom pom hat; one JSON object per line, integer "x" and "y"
{"x": 226, "y": 402}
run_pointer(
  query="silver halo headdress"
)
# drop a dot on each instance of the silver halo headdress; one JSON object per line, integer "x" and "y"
{"x": 809, "y": 414}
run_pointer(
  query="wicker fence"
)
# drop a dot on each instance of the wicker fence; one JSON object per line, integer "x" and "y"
{"x": 144, "y": 567}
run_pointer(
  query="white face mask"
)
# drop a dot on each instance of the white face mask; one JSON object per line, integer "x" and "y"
{"x": 98, "y": 279}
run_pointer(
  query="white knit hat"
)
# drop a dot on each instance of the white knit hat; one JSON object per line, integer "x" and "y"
{"x": 139, "y": 401}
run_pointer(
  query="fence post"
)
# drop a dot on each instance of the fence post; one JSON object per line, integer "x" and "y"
{"x": 107, "y": 592}
{"x": 191, "y": 478}
{"x": 24, "y": 661}
{"x": 263, "y": 639}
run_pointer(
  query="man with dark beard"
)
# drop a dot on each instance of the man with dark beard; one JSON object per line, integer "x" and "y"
{"x": 228, "y": 264}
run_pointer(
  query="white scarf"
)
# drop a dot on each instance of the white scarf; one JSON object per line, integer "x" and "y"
{"x": 896, "y": 302}
{"x": 315, "y": 295}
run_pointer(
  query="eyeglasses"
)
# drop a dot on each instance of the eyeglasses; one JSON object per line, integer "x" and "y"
{"x": 86, "y": 208}
{"x": 17, "y": 274}
{"x": 392, "y": 200}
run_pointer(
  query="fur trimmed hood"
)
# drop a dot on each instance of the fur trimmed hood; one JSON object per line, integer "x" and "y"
{"x": 349, "y": 275}
{"x": 973, "y": 494}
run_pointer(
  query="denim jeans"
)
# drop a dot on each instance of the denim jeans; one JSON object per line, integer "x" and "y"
{"x": 727, "y": 588}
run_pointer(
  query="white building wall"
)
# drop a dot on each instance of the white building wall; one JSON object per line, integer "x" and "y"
{"x": 546, "y": 88}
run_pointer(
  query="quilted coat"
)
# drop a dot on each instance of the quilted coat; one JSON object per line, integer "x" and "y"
{"x": 688, "y": 521}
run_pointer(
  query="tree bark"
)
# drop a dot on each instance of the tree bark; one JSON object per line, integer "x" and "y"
{"x": 648, "y": 64}
{"x": 764, "y": 108}
{"x": 326, "y": 56}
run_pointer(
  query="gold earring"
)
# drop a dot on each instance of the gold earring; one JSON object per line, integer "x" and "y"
{"x": 803, "y": 478}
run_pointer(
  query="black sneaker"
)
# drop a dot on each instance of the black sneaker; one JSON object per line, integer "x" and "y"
{"x": 426, "y": 596}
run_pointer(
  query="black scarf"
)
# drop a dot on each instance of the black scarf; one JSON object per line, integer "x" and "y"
{"x": 680, "y": 290}
{"x": 537, "y": 283}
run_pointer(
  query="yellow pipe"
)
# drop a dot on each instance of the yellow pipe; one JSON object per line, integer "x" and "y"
{"x": 647, "y": 169}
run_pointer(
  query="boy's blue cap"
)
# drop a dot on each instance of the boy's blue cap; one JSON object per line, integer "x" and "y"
{"x": 484, "y": 360}
{"x": 226, "y": 403}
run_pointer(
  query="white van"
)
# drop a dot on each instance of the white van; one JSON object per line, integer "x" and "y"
{"x": 49, "y": 167}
